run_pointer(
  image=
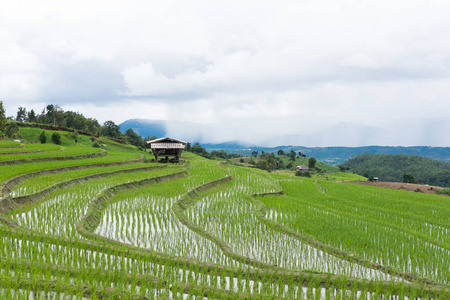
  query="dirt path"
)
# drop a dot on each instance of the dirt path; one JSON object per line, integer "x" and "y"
{"x": 400, "y": 186}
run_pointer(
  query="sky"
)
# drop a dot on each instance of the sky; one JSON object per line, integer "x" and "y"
{"x": 261, "y": 71}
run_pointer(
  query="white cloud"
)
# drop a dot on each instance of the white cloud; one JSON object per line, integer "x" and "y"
{"x": 285, "y": 67}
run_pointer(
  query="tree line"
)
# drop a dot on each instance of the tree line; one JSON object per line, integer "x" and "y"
{"x": 400, "y": 168}
{"x": 54, "y": 117}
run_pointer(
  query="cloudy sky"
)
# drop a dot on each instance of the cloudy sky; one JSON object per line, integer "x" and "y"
{"x": 246, "y": 69}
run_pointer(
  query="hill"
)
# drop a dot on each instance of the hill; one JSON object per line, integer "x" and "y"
{"x": 339, "y": 155}
{"x": 393, "y": 168}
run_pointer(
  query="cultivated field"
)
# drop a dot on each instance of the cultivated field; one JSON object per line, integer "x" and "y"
{"x": 84, "y": 223}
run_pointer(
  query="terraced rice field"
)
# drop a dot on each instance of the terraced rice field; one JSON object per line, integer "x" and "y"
{"x": 83, "y": 223}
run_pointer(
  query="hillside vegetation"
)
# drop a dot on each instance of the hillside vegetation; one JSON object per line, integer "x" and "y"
{"x": 394, "y": 168}
{"x": 80, "y": 222}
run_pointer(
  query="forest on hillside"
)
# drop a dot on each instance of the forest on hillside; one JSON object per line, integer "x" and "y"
{"x": 399, "y": 168}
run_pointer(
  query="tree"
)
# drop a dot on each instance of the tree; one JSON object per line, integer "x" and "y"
{"x": 280, "y": 152}
{"x": 58, "y": 116}
{"x": 51, "y": 114}
{"x": 12, "y": 130}
{"x": 21, "y": 114}
{"x": 263, "y": 164}
{"x": 56, "y": 138}
{"x": 255, "y": 153}
{"x": 43, "y": 137}
{"x": 92, "y": 126}
{"x": 31, "y": 116}
{"x": 312, "y": 162}
{"x": 292, "y": 155}
{"x": 110, "y": 129}
{"x": 133, "y": 138}
{"x": 188, "y": 147}
{"x": 199, "y": 150}
{"x": 2, "y": 118}
{"x": 409, "y": 178}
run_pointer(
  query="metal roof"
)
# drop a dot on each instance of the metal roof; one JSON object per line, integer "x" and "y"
{"x": 166, "y": 140}
{"x": 167, "y": 146}
{"x": 302, "y": 167}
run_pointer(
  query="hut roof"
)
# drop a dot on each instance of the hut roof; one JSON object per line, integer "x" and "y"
{"x": 302, "y": 167}
{"x": 166, "y": 140}
{"x": 166, "y": 143}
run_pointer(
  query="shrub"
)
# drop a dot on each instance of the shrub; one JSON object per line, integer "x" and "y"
{"x": 444, "y": 191}
{"x": 241, "y": 160}
{"x": 96, "y": 145}
{"x": 56, "y": 138}
{"x": 303, "y": 173}
{"x": 43, "y": 137}
{"x": 12, "y": 130}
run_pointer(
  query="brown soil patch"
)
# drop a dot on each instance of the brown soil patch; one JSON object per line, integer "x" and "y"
{"x": 401, "y": 186}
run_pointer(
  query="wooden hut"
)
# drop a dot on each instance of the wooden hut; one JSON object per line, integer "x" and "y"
{"x": 302, "y": 168}
{"x": 167, "y": 147}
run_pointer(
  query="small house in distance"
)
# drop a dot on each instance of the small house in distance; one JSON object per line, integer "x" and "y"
{"x": 167, "y": 147}
{"x": 302, "y": 168}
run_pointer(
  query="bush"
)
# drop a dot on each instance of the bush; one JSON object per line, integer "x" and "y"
{"x": 303, "y": 173}
{"x": 43, "y": 137}
{"x": 96, "y": 145}
{"x": 444, "y": 191}
{"x": 12, "y": 130}
{"x": 241, "y": 160}
{"x": 56, "y": 138}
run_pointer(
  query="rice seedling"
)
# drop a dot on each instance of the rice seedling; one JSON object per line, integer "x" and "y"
{"x": 9, "y": 144}
{"x": 66, "y": 151}
{"x": 34, "y": 184}
{"x": 61, "y": 210}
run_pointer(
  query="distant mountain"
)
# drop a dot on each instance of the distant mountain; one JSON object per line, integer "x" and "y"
{"x": 187, "y": 131}
{"x": 354, "y": 134}
{"x": 145, "y": 128}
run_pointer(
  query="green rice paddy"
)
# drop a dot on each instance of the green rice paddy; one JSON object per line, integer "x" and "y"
{"x": 115, "y": 226}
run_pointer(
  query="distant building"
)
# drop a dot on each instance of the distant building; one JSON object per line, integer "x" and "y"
{"x": 302, "y": 168}
{"x": 167, "y": 147}
{"x": 375, "y": 179}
